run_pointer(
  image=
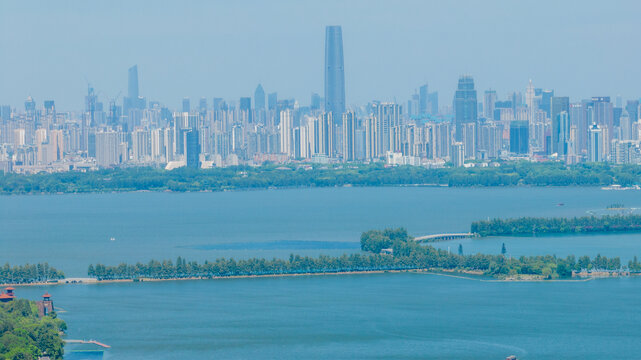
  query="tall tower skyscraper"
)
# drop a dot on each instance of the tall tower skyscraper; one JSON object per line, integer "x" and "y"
{"x": 560, "y": 127}
{"x": 489, "y": 104}
{"x": 423, "y": 100}
{"x": 259, "y": 98}
{"x": 186, "y": 105}
{"x": 529, "y": 100}
{"x": 465, "y": 107}
{"x": 90, "y": 106}
{"x": 132, "y": 84}
{"x": 133, "y": 100}
{"x": 334, "y": 72}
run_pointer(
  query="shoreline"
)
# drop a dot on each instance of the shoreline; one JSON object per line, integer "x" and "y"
{"x": 460, "y": 274}
{"x": 241, "y": 189}
{"x": 94, "y": 281}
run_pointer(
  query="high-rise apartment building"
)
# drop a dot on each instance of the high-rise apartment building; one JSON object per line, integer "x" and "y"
{"x": 192, "y": 148}
{"x": 107, "y": 149}
{"x": 595, "y": 136}
{"x": 519, "y": 137}
{"x": 349, "y": 136}
{"x": 285, "y": 129}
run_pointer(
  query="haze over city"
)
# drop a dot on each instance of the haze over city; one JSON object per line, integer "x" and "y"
{"x": 292, "y": 179}
{"x": 200, "y": 48}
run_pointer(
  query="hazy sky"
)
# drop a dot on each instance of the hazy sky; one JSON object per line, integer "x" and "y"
{"x": 49, "y": 49}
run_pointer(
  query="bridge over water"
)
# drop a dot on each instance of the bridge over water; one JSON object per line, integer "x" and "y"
{"x": 444, "y": 237}
{"x": 72, "y": 341}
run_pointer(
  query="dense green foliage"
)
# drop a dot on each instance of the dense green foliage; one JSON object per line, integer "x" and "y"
{"x": 533, "y": 225}
{"x": 27, "y": 336}
{"x": 634, "y": 265}
{"x": 406, "y": 254}
{"x": 246, "y": 177}
{"x": 23, "y": 274}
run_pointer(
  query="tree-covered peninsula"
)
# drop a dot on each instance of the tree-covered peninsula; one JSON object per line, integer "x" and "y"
{"x": 29, "y": 273}
{"x": 25, "y": 335}
{"x": 383, "y": 250}
{"x": 557, "y": 225}
{"x": 317, "y": 175}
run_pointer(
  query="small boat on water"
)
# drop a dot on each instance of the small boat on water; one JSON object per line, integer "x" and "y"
{"x": 112, "y": 239}
{"x": 560, "y": 204}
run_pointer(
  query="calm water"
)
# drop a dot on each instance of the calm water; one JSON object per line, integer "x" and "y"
{"x": 387, "y": 316}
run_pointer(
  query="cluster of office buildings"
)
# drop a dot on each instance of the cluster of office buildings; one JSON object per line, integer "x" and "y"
{"x": 537, "y": 125}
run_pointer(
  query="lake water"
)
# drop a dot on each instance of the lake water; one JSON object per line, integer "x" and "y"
{"x": 386, "y": 316}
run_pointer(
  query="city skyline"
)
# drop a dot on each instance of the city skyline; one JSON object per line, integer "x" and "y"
{"x": 576, "y": 57}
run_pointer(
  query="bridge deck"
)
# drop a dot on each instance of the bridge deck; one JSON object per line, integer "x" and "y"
{"x": 442, "y": 237}
{"x": 87, "y": 342}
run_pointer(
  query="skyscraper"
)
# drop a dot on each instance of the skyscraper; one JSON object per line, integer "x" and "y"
{"x": 519, "y": 131}
{"x": 595, "y": 153}
{"x": 133, "y": 100}
{"x": 315, "y": 103}
{"x": 259, "y": 98}
{"x": 561, "y": 134}
{"x": 202, "y": 106}
{"x": 529, "y": 97}
{"x": 186, "y": 105}
{"x": 245, "y": 104}
{"x": 245, "y": 109}
{"x": 632, "y": 107}
{"x": 132, "y": 83}
{"x": 334, "y": 72}
{"x": 272, "y": 101}
{"x": 432, "y": 102}
{"x": 90, "y": 106}
{"x": 579, "y": 118}
{"x": 558, "y": 104}
{"x": 489, "y": 104}
{"x": 603, "y": 115}
{"x": 464, "y": 104}
{"x": 423, "y": 100}
{"x": 349, "y": 136}
{"x": 192, "y": 148}
{"x": 546, "y": 100}
{"x": 285, "y": 132}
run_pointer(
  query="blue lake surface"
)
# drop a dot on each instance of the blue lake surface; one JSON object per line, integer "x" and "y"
{"x": 379, "y": 316}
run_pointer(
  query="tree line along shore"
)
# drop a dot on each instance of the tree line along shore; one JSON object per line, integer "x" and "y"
{"x": 382, "y": 250}
{"x": 517, "y": 173}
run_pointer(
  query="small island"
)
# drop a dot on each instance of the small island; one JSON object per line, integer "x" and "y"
{"x": 538, "y": 226}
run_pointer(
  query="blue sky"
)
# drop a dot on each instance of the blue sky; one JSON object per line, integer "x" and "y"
{"x": 49, "y": 49}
